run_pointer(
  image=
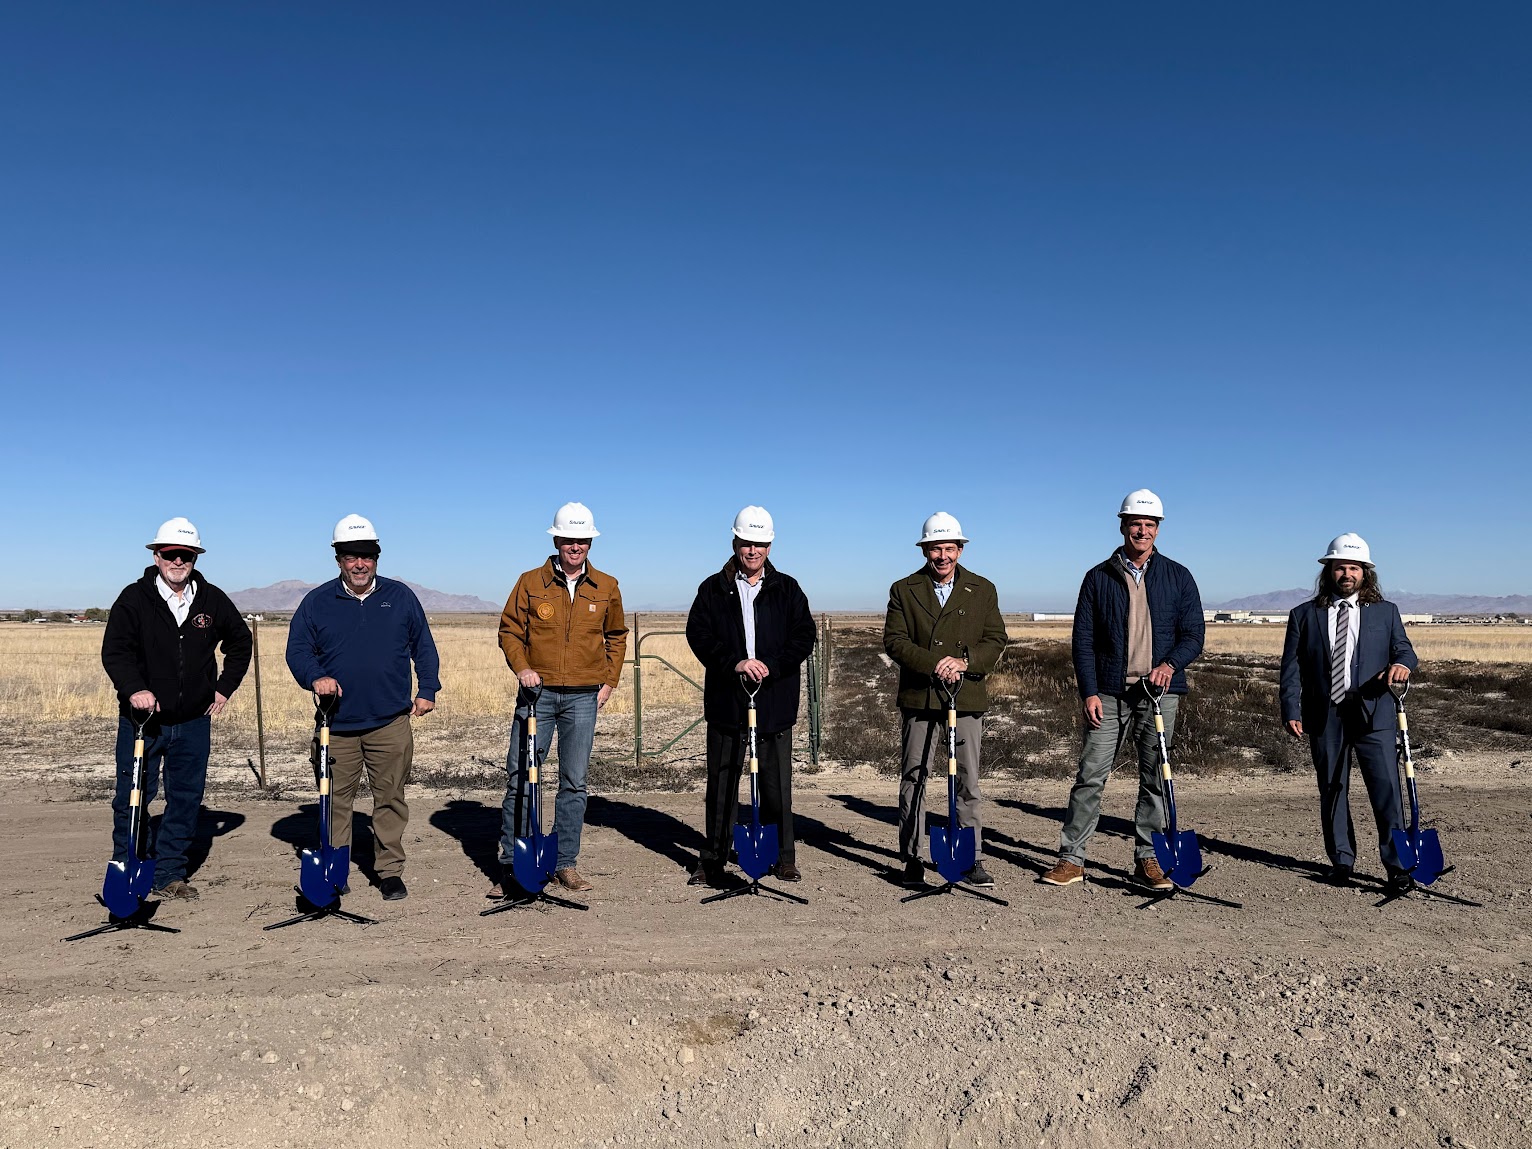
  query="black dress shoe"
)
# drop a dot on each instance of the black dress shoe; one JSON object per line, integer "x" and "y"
{"x": 914, "y": 873}
{"x": 788, "y": 871}
{"x": 705, "y": 876}
{"x": 1339, "y": 876}
{"x": 392, "y": 889}
{"x": 1399, "y": 882}
{"x": 979, "y": 876}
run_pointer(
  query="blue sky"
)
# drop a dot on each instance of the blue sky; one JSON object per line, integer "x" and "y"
{"x": 450, "y": 266}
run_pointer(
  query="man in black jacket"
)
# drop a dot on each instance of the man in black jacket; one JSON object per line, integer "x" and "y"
{"x": 1138, "y": 624}
{"x": 160, "y": 651}
{"x": 749, "y": 619}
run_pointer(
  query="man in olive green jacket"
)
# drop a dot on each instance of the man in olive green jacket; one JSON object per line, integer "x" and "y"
{"x": 943, "y": 625}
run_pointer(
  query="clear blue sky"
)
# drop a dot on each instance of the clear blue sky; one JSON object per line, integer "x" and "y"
{"x": 451, "y": 265}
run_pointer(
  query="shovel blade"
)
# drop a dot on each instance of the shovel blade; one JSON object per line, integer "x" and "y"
{"x": 530, "y": 862}
{"x": 1181, "y": 860}
{"x": 314, "y": 879}
{"x": 757, "y": 849}
{"x": 953, "y": 851}
{"x": 1409, "y": 858}
{"x": 1429, "y": 864}
{"x": 116, "y": 891}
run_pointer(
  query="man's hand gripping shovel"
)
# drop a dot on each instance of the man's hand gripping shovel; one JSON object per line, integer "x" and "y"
{"x": 954, "y": 848}
{"x": 1420, "y": 851}
{"x": 757, "y": 845}
{"x": 324, "y": 873}
{"x": 535, "y": 856}
{"x": 125, "y": 890}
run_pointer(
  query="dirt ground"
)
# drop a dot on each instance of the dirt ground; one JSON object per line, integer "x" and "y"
{"x": 1082, "y": 1016}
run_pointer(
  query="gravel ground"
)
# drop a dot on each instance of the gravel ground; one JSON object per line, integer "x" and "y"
{"x": 1074, "y": 1017}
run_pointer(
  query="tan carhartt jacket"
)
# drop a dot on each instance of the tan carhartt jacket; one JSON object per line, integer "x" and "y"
{"x": 579, "y": 643}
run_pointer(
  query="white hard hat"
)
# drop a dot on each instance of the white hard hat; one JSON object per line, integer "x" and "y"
{"x": 573, "y": 521}
{"x": 754, "y": 525}
{"x": 941, "y": 528}
{"x": 1349, "y": 548}
{"x": 1142, "y": 502}
{"x": 354, "y": 529}
{"x": 177, "y": 533}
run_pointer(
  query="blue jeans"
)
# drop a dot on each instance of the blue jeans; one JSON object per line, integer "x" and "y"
{"x": 182, "y": 750}
{"x": 1123, "y": 717}
{"x": 573, "y": 712}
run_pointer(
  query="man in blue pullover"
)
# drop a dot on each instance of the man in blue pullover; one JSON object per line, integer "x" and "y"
{"x": 1138, "y": 623}
{"x": 355, "y": 637}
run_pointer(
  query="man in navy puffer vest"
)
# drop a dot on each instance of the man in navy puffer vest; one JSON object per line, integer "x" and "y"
{"x": 1138, "y": 623}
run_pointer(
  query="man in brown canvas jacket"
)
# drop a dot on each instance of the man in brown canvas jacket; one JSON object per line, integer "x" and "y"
{"x": 562, "y": 630}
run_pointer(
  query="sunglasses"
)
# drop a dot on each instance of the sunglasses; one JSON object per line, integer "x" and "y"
{"x": 177, "y": 556}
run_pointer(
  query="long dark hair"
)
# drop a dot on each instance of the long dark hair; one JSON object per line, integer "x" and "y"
{"x": 1325, "y": 592}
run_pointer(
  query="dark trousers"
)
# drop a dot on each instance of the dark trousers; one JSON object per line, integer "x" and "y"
{"x": 178, "y": 754}
{"x": 726, "y": 752}
{"x": 924, "y": 736}
{"x": 1344, "y": 732}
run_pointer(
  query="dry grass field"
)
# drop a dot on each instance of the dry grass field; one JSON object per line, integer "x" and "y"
{"x": 52, "y": 674}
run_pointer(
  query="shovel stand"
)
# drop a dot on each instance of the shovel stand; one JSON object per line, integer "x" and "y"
{"x": 136, "y": 921}
{"x": 953, "y": 888}
{"x": 756, "y": 888}
{"x": 1428, "y": 892}
{"x": 333, "y": 910}
{"x": 1182, "y": 892}
{"x": 516, "y": 901}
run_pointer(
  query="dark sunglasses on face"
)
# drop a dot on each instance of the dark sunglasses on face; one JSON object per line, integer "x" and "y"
{"x": 178, "y": 556}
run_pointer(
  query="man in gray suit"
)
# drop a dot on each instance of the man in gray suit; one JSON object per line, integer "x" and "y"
{"x": 1344, "y": 649}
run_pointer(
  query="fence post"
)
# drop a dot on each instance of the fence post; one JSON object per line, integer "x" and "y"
{"x": 638, "y": 699}
{"x": 260, "y": 721}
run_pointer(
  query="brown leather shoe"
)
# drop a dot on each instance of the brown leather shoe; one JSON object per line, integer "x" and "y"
{"x": 1066, "y": 873}
{"x": 1147, "y": 872}
{"x": 178, "y": 890}
{"x": 788, "y": 871}
{"x": 570, "y": 879}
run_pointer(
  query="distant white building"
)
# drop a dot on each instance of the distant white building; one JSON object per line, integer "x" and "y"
{"x": 1040, "y": 616}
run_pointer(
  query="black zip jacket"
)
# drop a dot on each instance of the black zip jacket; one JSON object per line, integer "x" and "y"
{"x": 784, "y": 638}
{"x": 144, "y": 649}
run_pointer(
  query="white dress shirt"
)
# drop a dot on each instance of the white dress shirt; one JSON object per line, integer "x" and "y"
{"x": 747, "y": 594}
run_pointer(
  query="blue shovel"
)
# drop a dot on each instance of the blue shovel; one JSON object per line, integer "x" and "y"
{"x": 755, "y": 844}
{"x": 129, "y": 882}
{"x": 1176, "y": 850}
{"x": 1420, "y": 851}
{"x": 325, "y": 872}
{"x": 954, "y": 849}
{"x": 535, "y": 857}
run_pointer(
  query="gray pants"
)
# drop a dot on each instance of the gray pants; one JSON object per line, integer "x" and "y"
{"x": 925, "y": 738}
{"x": 1130, "y": 715}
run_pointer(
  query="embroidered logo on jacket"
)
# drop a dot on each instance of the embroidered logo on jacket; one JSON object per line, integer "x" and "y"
{"x": 545, "y": 610}
{"x": 202, "y": 621}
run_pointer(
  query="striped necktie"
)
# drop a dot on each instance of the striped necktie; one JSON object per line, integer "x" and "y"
{"x": 1340, "y": 653}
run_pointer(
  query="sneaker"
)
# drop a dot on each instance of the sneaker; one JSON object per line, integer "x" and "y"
{"x": 1066, "y": 873}
{"x": 570, "y": 879}
{"x": 914, "y": 873}
{"x": 392, "y": 889}
{"x": 788, "y": 871}
{"x": 1147, "y": 872}
{"x": 979, "y": 876}
{"x": 178, "y": 891}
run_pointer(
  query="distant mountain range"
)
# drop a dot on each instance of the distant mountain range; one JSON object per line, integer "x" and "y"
{"x": 287, "y": 594}
{"x": 1408, "y": 603}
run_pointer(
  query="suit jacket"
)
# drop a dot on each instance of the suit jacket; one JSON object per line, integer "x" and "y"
{"x": 1381, "y": 641}
{"x": 918, "y": 632}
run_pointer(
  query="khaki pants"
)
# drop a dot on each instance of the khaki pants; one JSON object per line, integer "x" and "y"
{"x": 385, "y": 753}
{"x": 925, "y": 739}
